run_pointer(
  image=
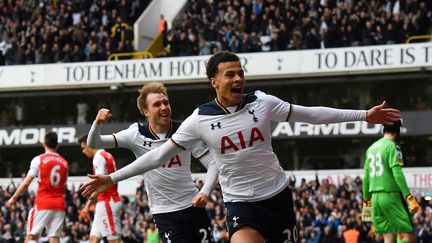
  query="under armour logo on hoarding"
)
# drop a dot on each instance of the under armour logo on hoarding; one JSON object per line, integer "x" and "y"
{"x": 218, "y": 125}
{"x": 255, "y": 119}
{"x": 147, "y": 143}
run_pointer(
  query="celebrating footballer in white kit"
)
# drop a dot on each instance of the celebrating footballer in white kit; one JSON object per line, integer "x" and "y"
{"x": 170, "y": 187}
{"x": 236, "y": 129}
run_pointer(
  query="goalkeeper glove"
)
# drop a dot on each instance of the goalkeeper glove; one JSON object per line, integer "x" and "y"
{"x": 413, "y": 206}
{"x": 367, "y": 211}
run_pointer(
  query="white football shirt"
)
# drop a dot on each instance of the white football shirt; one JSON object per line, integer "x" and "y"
{"x": 240, "y": 143}
{"x": 170, "y": 188}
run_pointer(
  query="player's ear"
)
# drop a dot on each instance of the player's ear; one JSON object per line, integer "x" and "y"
{"x": 141, "y": 111}
{"x": 213, "y": 82}
{"x": 146, "y": 112}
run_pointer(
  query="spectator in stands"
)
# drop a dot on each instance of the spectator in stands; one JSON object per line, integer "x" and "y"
{"x": 314, "y": 236}
{"x": 351, "y": 234}
{"x": 312, "y": 40}
{"x": 77, "y": 54}
{"x": 152, "y": 234}
{"x": 9, "y": 54}
{"x": 162, "y": 25}
{"x": 170, "y": 43}
{"x": 328, "y": 235}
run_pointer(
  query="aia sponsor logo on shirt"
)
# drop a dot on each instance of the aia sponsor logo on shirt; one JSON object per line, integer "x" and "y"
{"x": 227, "y": 143}
{"x": 175, "y": 161}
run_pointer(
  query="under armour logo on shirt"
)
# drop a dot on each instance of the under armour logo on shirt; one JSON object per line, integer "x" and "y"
{"x": 147, "y": 143}
{"x": 255, "y": 119}
{"x": 213, "y": 126}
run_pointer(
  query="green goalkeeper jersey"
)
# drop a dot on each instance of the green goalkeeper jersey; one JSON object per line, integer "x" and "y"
{"x": 381, "y": 157}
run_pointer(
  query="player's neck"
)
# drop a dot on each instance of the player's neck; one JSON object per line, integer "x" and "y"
{"x": 390, "y": 136}
{"x": 227, "y": 103}
{"x": 48, "y": 150}
{"x": 158, "y": 128}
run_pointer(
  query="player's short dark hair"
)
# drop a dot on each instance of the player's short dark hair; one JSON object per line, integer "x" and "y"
{"x": 83, "y": 138}
{"x": 220, "y": 57}
{"x": 51, "y": 140}
{"x": 393, "y": 129}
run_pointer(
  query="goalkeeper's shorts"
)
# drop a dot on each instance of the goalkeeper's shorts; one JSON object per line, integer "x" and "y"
{"x": 390, "y": 213}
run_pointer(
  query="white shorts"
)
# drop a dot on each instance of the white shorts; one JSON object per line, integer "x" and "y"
{"x": 51, "y": 220}
{"x": 106, "y": 222}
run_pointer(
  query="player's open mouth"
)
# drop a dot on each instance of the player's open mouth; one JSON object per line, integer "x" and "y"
{"x": 237, "y": 90}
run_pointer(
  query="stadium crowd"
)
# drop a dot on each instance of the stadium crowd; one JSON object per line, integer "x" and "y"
{"x": 38, "y": 31}
{"x": 41, "y": 31}
{"x": 325, "y": 213}
{"x": 253, "y": 26}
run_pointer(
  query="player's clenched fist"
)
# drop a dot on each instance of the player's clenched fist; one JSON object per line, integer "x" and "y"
{"x": 200, "y": 200}
{"x": 103, "y": 116}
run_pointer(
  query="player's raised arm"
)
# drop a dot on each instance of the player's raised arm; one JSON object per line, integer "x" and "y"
{"x": 146, "y": 162}
{"x": 318, "y": 115}
{"x": 95, "y": 139}
{"x": 103, "y": 116}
